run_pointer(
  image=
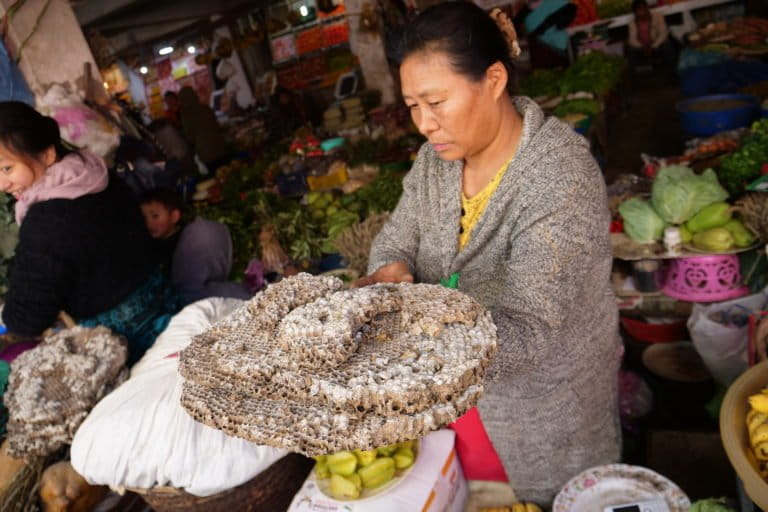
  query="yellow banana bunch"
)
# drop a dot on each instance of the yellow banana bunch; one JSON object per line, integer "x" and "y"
{"x": 517, "y": 507}
{"x": 759, "y": 435}
{"x": 761, "y": 451}
{"x": 757, "y": 426}
{"x": 754, "y": 420}
{"x": 759, "y": 402}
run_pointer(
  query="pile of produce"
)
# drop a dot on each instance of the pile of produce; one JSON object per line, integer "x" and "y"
{"x": 695, "y": 204}
{"x": 352, "y": 471}
{"x": 739, "y": 36}
{"x": 305, "y": 229}
{"x": 745, "y": 165}
{"x": 595, "y": 72}
{"x": 709, "y": 147}
{"x": 542, "y": 83}
{"x": 714, "y": 229}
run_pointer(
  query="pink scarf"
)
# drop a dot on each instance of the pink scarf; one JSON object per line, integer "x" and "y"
{"x": 75, "y": 175}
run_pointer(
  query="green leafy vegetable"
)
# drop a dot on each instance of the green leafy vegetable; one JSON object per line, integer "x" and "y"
{"x": 383, "y": 193}
{"x": 641, "y": 222}
{"x": 743, "y": 166}
{"x": 679, "y": 193}
{"x": 711, "y": 505}
{"x": 594, "y": 72}
{"x": 579, "y": 106}
{"x": 542, "y": 82}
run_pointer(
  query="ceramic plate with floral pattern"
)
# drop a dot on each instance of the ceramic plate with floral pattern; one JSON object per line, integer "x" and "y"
{"x": 617, "y": 484}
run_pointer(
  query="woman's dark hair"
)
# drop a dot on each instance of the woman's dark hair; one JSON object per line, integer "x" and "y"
{"x": 28, "y": 133}
{"x": 636, "y": 4}
{"x": 465, "y": 33}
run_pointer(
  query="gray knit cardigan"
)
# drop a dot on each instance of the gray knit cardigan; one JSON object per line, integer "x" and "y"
{"x": 539, "y": 259}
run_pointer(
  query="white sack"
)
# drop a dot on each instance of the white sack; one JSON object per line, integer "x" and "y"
{"x": 139, "y": 436}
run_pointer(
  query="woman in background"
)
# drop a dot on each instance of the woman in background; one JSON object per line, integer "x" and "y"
{"x": 83, "y": 247}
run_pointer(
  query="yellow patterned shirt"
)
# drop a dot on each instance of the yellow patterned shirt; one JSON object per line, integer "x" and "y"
{"x": 472, "y": 208}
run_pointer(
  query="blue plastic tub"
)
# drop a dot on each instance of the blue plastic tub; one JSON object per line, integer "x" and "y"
{"x": 702, "y": 117}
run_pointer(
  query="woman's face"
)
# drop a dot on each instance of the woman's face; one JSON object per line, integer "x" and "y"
{"x": 17, "y": 174}
{"x": 453, "y": 112}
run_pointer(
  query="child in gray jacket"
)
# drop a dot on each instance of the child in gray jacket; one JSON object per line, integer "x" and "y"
{"x": 197, "y": 256}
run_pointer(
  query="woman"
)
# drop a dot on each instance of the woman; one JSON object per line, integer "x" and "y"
{"x": 83, "y": 247}
{"x": 514, "y": 204}
{"x": 202, "y": 130}
{"x": 649, "y": 36}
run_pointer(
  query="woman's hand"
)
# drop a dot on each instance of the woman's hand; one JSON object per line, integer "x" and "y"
{"x": 396, "y": 272}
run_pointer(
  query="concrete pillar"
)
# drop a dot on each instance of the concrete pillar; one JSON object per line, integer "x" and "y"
{"x": 369, "y": 48}
{"x": 56, "y": 52}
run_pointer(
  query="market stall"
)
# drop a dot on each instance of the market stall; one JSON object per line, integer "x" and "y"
{"x": 317, "y": 395}
{"x": 690, "y": 246}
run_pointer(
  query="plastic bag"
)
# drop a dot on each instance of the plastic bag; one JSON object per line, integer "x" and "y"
{"x": 720, "y": 334}
{"x": 13, "y": 87}
{"x": 80, "y": 125}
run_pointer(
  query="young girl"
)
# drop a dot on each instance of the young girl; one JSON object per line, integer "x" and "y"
{"x": 83, "y": 247}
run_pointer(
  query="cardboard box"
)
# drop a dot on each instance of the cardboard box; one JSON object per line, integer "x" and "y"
{"x": 435, "y": 484}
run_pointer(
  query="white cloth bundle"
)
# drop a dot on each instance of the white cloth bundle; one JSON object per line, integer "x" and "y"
{"x": 139, "y": 436}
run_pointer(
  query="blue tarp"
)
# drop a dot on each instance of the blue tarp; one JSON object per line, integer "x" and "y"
{"x": 12, "y": 83}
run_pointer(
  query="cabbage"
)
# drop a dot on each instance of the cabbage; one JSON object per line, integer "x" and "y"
{"x": 710, "y": 505}
{"x": 641, "y": 222}
{"x": 679, "y": 193}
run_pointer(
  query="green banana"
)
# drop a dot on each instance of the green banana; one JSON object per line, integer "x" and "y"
{"x": 403, "y": 458}
{"x": 343, "y": 488}
{"x": 355, "y": 479}
{"x": 712, "y": 216}
{"x": 405, "y": 444}
{"x": 377, "y": 473}
{"x": 365, "y": 457}
{"x": 714, "y": 240}
{"x": 386, "y": 451}
{"x": 342, "y": 463}
{"x": 685, "y": 234}
{"x": 741, "y": 235}
{"x": 321, "y": 470}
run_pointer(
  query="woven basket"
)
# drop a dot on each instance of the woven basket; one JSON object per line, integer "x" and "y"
{"x": 272, "y": 490}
